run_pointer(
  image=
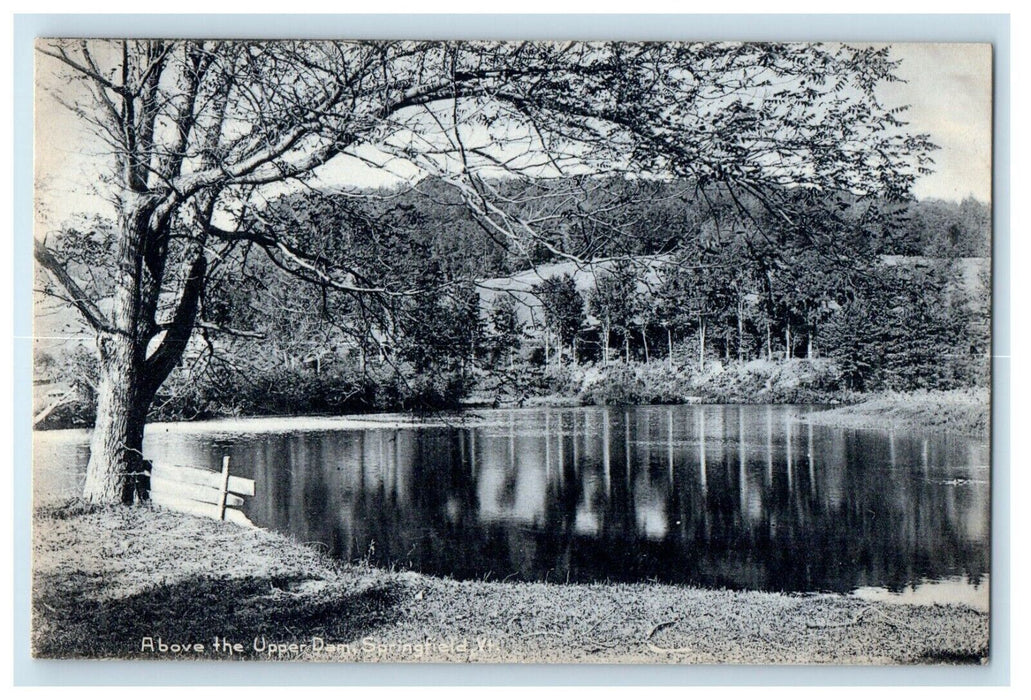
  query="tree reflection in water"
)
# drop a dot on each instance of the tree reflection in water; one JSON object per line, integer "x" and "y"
{"x": 718, "y": 496}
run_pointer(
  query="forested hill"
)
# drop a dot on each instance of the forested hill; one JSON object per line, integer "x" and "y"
{"x": 428, "y": 234}
{"x": 593, "y": 218}
{"x": 414, "y": 297}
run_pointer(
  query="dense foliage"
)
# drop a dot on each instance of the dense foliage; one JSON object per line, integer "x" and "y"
{"x": 689, "y": 285}
{"x": 195, "y": 136}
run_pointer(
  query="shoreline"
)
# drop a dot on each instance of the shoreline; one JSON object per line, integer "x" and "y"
{"x": 964, "y": 411}
{"x": 107, "y": 578}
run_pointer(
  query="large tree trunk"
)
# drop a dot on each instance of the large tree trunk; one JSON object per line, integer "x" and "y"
{"x": 116, "y": 448}
{"x": 129, "y": 377}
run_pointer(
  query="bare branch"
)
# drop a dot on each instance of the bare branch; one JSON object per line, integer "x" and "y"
{"x": 90, "y": 73}
{"x": 89, "y": 310}
{"x": 167, "y": 354}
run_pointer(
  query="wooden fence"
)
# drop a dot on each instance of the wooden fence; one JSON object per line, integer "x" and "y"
{"x": 201, "y": 492}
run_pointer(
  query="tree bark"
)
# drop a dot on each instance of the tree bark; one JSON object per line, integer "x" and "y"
{"x": 669, "y": 344}
{"x": 129, "y": 378}
{"x": 644, "y": 339}
{"x": 116, "y": 447}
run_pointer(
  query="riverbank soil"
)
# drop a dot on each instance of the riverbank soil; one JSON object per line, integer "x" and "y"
{"x": 141, "y": 582}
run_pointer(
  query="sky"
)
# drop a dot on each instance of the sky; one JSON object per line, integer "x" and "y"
{"x": 948, "y": 88}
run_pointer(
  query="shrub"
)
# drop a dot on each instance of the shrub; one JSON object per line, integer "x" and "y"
{"x": 619, "y": 385}
{"x": 665, "y": 384}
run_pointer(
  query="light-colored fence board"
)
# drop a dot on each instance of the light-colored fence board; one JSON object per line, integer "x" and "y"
{"x": 196, "y": 492}
{"x": 203, "y": 477}
{"x": 201, "y": 492}
{"x": 206, "y": 510}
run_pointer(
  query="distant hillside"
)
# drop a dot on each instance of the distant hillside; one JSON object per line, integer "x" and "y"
{"x": 971, "y": 268}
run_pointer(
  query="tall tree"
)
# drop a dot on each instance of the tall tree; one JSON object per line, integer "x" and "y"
{"x": 199, "y": 131}
{"x": 905, "y": 327}
{"x": 563, "y": 307}
{"x": 505, "y": 331}
{"x": 696, "y": 289}
{"x": 614, "y": 300}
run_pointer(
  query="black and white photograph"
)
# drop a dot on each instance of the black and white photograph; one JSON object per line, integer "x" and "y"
{"x": 592, "y": 352}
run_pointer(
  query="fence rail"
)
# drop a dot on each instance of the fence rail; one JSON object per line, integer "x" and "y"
{"x": 201, "y": 492}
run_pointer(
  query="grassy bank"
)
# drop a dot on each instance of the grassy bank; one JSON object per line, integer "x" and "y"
{"x": 794, "y": 381}
{"x": 966, "y": 411}
{"x": 106, "y": 579}
{"x": 797, "y": 381}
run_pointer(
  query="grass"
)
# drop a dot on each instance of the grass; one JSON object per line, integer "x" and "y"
{"x": 796, "y": 381}
{"x": 966, "y": 411}
{"x": 107, "y": 578}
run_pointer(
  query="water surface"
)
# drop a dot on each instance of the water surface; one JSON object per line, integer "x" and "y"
{"x": 742, "y": 497}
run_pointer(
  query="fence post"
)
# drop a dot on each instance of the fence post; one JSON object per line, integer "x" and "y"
{"x": 224, "y": 490}
{"x": 141, "y": 482}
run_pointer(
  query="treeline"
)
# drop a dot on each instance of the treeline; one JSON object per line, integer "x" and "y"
{"x": 902, "y": 324}
{"x": 590, "y": 217}
{"x": 391, "y": 314}
{"x": 593, "y": 217}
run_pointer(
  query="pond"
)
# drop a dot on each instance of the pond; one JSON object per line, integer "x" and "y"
{"x": 740, "y": 497}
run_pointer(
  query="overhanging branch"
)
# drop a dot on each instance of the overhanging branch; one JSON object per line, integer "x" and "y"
{"x": 89, "y": 310}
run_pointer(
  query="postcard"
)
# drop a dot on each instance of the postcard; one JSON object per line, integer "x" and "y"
{"x": 493, "y": 351}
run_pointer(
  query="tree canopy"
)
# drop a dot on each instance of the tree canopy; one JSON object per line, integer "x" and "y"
{"x": 200, "y": 135}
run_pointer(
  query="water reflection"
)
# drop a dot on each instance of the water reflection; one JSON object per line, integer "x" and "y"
{"x": 717, "y": 496}
{"x": 955, "y": 590}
